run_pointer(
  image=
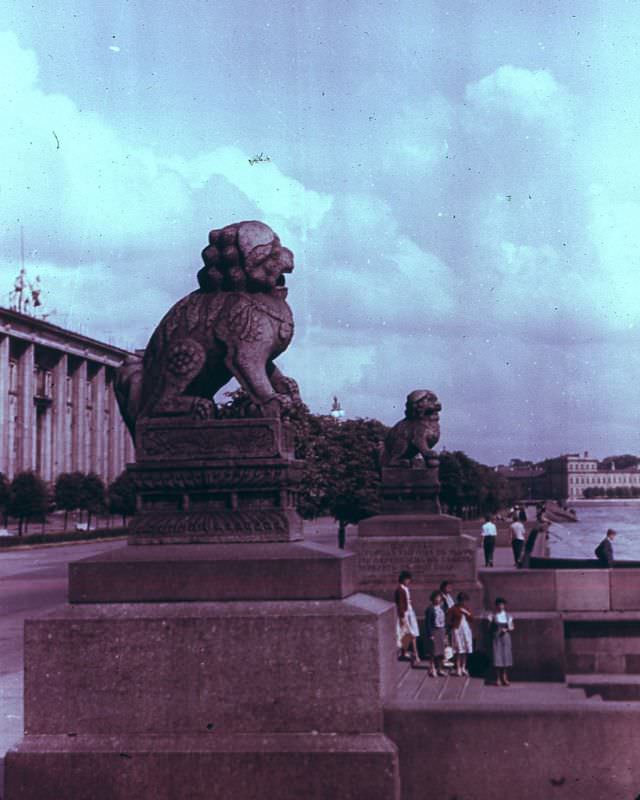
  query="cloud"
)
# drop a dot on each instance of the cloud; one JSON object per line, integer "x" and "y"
{"x": 97, "y": 209}
{"x": 480, "y": 240}
{"x": 531, "y": 95}
{"x": 276, "y": 195}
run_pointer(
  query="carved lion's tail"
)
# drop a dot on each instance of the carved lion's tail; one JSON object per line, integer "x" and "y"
{"x": 128, "y": 390}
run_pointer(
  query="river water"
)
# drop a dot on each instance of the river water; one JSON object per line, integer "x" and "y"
{"x": 579, "y": 539}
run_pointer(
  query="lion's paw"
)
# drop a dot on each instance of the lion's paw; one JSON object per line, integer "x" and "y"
{"x": 278, "y": 405}
{"x": 203, "y": 408}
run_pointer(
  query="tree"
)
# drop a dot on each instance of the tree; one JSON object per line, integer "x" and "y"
{"x": 468, "y": 487}
{"x": 340, "y": 475}
{"x": 93, "y": 495}
{"x": 621, "y": 462}
{"x": 28, "y": 497}
{"x": 353, "y": 492}
{"x": 4, "y": 497}
{"x": 122, "y": 496}
{"x": 68, "y": 492}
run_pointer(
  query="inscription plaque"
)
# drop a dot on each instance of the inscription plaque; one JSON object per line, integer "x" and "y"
{"x": 430, "y": 560}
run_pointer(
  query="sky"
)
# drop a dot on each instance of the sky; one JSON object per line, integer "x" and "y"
{"x": 458, "y": 182}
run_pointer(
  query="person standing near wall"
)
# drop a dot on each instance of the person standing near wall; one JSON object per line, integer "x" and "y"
{"x": 489, "y": 536}
{"x": 540, "y": 527}
{"x": 517, "y": 540}
{"x": 604, "y": 551}
{"x": 434, "y": 628}
{"x": 407, "y": 623}
{"x": 501, "y": 627}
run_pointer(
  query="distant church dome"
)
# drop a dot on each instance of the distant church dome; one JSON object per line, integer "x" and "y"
{"x": 337, "y": 411}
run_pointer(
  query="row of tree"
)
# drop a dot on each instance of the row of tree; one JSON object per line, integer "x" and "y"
{"x": 341, "y": 477}
{"x": 611, "y": 491}
{"x": 27, "y": 497}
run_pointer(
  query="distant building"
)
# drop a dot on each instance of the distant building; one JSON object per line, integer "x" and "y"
{"x": 58, "y": 411}
{"x": 570, "y": 475}
{"x": 528, "y": 481}
{"x": 337, "y": 411}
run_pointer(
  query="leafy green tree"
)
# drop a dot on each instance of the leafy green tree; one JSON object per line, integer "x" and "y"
{"x": 68, "y": 492}
{"x": 354, "y": 486}
{"x": 122, "y": 496}
{"x": 470, "y": 488}
{"x": 340, "y": 475}
{"x": 621, "y": 462}
{"x": 28, "y": 498}
{"x": 93, "y": 496}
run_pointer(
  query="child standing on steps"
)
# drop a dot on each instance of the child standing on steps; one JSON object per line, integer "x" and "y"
{"x": 501, "y": 627}
{"x": 458, "y": 619}
{"x": 434, "y": 623}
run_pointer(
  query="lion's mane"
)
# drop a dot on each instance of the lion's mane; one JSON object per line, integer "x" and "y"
{"x": 244, "y": 257}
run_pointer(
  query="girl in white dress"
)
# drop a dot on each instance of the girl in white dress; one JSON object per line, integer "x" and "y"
{"x": 407, "y": 624}
{"x": 458, "y": 619}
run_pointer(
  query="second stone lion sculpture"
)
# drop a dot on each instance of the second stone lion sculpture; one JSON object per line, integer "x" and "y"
{"x": 233, "y": 326}
{"x": 416, "y": 435}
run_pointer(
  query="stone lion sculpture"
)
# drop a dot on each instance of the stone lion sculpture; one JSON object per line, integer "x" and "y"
{"x": 233, "y": 326}
{"x": 416, "y": 435}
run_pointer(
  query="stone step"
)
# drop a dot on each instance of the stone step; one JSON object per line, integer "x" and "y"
{"x": 252, "y": 767}
{"x": 610, "y": 686}
{"x": 608, "y": 662}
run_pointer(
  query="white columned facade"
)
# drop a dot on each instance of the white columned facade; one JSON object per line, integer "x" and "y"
{"x": 79, "y": 422}
{"x": 97, "y": 447}
{"x": 5, "y": 464}
{"x": 52, "y": 421}
{"x": 61, "y": 443}
{"x": 27, "y": 409}
{"x": 114, "y": 446}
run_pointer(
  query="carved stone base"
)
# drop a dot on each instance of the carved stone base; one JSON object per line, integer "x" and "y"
{"x": 222, "y": 526}
{"x": 180, "y": 438}
{"x": 215, "y": 481}
{"x": 407, "y": 490}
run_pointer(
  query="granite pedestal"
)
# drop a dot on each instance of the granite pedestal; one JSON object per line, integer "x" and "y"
{"x": 187, "y": 693}
{"x": 245, "y": 668}
{"x": 411, "y": 534}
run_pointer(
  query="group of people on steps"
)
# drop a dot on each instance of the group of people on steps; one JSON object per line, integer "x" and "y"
{"x": 447, "y": 625}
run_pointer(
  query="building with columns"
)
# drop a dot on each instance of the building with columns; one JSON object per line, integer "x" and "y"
{"x": 58, "y": 411}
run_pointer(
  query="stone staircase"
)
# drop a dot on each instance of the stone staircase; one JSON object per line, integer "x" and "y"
{"x": 603, "y": 654}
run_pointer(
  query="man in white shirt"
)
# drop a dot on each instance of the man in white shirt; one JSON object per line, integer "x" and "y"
{"x": 517, "y": 540}
{"x": 489, "y": 535}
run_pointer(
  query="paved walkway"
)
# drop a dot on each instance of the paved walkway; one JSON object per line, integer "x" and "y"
{"x": 33, "y": 581}
{"x": 416, "y": 687}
